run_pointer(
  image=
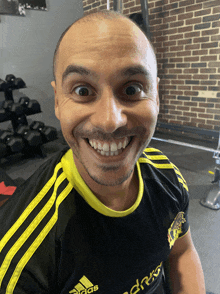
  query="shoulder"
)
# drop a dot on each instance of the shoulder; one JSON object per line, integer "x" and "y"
{"x": 157, "y": 169}
{"x": 161, "y": 167}
{"x": 35, "y": 192}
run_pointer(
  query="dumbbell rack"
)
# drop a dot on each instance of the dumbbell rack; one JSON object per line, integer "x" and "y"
{"x": 24, "y": 138}
{"x": 212, "y": 200}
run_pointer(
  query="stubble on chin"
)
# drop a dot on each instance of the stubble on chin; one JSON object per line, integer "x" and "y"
{"x": 110, "y": 181}
{"x": 106, "y": 175}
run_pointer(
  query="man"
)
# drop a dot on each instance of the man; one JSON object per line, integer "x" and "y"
{"x": 104, "y": 215}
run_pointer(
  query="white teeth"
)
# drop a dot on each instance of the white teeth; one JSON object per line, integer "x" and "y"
{"x": 114, "y": 147}
{"x": 91, "y": 143}
{"x": 120, "y": 145}
{"x": 99, "y": 146}
{"x": 106, "y": 147}
{"x": 104, "y": 153}
{"x": 116, "y": 152}
{"x": 125, "y": 143}
{"x": 109, "y": 149}
{"x": 109, "y": 153}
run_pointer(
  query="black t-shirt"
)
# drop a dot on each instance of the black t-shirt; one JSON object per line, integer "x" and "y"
{"x": 57, "y": 237}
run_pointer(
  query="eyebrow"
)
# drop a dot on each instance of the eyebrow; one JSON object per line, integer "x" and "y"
{"x": 126, "y": 72}
{"x": 135, "y": 70}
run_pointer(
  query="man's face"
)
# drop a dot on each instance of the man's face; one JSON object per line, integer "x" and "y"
{"x": 106, "y": 97}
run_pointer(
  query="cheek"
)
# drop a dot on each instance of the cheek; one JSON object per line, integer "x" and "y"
{"x": 148, "y": 113}
{"x": 67, "y": 111}
{"x": 73, "y": 118}
{"x": 69, "y": 116}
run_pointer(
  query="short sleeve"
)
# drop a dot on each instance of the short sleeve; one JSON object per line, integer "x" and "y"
{"x": 185, "y": 209}
{"x": 182, "y": 219}
{"x": 180, "y": 223}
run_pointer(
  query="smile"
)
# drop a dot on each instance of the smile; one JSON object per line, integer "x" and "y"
{"x": 112, "y": 148}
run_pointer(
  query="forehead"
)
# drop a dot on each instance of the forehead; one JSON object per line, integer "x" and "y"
{"x": 105, "y": 43}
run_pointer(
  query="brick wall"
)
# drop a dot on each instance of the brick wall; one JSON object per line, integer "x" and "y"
{"x": 186, "y": 36}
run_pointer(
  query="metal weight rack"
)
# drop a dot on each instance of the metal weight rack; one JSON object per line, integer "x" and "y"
{"x": 212, "y": 200}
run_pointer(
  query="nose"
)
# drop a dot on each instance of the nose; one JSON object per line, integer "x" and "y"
{"x": 109, "y": 114}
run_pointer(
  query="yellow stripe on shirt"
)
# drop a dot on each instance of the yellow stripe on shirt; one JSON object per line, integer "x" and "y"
{"x": 157, "y": 165}
{"x": 29, "y": 208}
{"x": 152, "y": 150}
{"x": 31, "y": 250}
{"x": 169, "y": 165}
{"x": 157, "y": 157}
{"x": 32, "y": 226}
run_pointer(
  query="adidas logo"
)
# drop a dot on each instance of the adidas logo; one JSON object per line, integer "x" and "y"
{"x": 84, "y": 287}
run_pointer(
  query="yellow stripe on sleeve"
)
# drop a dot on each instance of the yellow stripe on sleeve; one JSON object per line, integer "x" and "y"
{"x": 163, "y": 166}
{"x": 33, "y": 225}
{"x": 157, "y": 165}
{"x": 157, "y": 157}
{"x": 178, "y": 173}
{"x": 28, "y": 254}
{"x": 152, "y": 150}
{"x": 29, "y": 209}
{"x": 184, "y": 185}
{"x": 180, "y": 177}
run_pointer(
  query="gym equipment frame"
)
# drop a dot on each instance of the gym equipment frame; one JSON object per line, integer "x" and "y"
{"x": 211, "y": 200}
{"x": 117, "y": 6}
{"x": 21, "y": 138}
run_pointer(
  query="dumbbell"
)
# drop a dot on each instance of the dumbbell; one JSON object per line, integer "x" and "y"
{"x": 22, "y": 120}
{"x": 37, "y": 126}
{"x": 48, "y": 133}
{"x": 15, "y": 83}
{"x": 19, "y": 83}
{"x": 3, "y": 85}
{"x": 15, "y": 108}
{"x": 3, "y": 150}
{"x": 30, "y": 106}
{"x": 4, "y": 115}
{"x": 7, "y": 104}
{"x": 10, "y": 79}
{"x": 13, "y": 143}
{"x": 31, "y": 137}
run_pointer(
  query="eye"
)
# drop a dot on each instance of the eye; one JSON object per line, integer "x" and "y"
{"x": 132, "y": 90}
{"x": 83, "y": 91}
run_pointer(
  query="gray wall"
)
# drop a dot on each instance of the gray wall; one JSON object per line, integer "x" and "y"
{"x": 27, "y": 45}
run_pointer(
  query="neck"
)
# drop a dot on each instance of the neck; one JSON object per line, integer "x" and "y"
{"x": 120, "y": 197}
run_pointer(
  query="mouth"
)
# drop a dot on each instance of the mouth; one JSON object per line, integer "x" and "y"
{"x": 110, "y": 149}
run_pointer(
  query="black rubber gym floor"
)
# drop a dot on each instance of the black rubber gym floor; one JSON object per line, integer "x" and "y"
{"x": 194, "y": 164}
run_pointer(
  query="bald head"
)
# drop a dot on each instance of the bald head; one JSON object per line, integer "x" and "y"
{"x": 94, "y": 18}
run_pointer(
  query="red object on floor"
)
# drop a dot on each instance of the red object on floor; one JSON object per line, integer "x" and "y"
{"x": 6, "y": 190}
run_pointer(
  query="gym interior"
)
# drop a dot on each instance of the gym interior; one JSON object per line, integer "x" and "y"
{"x": 186, "y": 37}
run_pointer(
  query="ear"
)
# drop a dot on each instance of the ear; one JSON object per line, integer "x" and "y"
{"x": 56, "y": 106}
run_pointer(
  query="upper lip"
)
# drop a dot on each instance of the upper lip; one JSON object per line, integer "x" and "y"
{"x": 110, "y": 140}
{"x": 109, "y": 146}
{"x": 106, "y": 138}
